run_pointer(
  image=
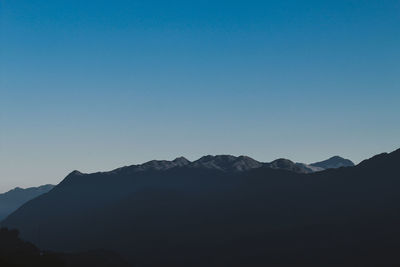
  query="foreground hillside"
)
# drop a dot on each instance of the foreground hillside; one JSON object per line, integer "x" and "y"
{"x": 224, "y": 212}
{"x": 16, "y": 252}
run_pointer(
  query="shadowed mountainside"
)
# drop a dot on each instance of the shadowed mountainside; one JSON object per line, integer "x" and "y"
{"x": 229, "y": 214}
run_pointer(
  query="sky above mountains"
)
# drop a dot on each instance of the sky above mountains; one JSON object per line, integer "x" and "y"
{"x": 94, "y": 85}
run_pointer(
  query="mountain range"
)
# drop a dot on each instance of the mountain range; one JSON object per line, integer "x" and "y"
{"x": 225, "y": 211}
{"x": 229, "y": 163}
{"x": 14, "y": 198}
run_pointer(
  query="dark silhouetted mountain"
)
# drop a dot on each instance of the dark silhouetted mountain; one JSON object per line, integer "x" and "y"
{"x": 211, "y": 213}
{"x": 226, "y": 163}
{"x": 333, "y": 163}
{"x": 285, "y": 164}
{"x": 15, "y": 252}
{"x": 154, "y": 165}
{"x": 13, "y": 199}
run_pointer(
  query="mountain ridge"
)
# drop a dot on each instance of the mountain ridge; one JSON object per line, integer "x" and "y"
{"x": 333, "y": 163}
{"x": 191, "y": 216}
{"x": 222, "y": 162}
{"x": 14, "y": 198}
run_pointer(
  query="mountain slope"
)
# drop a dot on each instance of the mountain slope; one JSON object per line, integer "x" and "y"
{"x": 13, "y": 199}
{"x": 218, "y": 216}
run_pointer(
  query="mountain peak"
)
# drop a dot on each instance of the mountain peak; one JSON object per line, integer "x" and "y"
{"x": 333, "y": 162}
{"x": 336, "y": 158}
{"x": 181, "y": 161}
{"x": 155, "y": 165}
{"x": 226, "y": 163}
{"x": 75, "y": 173}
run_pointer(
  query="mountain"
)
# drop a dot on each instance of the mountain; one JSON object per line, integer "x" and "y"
{"x": 285, "y": 164}
{"x": 333, "y": 163}
{"x": 224, "y": 211}
{"x": 226, "y": 163}
{"x": 13, "y": 199}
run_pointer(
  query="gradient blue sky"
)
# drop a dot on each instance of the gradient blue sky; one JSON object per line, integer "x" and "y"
{"x": 95, "y": 85}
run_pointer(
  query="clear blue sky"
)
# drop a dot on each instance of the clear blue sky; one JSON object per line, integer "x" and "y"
{"x": 94, "y": 85}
